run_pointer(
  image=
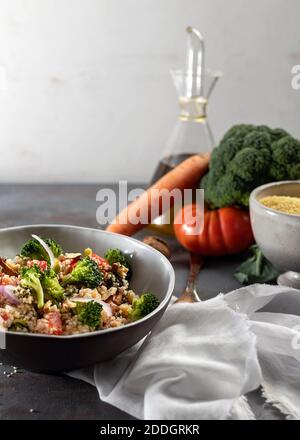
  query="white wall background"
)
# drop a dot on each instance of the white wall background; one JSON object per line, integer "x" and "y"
{"x": 85, "y": 93}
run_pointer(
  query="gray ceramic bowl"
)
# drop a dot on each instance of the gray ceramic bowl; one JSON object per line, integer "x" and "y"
{"x": 151, "y": 272}
{"x": 277, "y": 233}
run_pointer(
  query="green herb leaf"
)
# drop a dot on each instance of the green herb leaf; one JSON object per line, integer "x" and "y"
{"x": 256, "y": 269}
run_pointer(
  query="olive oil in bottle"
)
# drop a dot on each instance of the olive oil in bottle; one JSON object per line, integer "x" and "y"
{"x": 167, "y": 164}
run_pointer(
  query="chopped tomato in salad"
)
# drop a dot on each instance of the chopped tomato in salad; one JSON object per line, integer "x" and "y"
{"x": 41, "y": 264}
{"x": 54, "y": 323}
{"x": 102, "y": 263}
{"x": 5, "y": 280}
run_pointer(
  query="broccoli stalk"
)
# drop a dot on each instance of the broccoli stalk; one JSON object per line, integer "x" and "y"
{"x": 89, "y": 313}
{"x": 31, "y": 279}
{"x": 249, "y": 156}
{"x": 52, "y": 289}
{"x": 85, "y": 272}
{"x": 34, "y": 250}
{"x": 143, "y": 305}
{"x": 117, "y": 256}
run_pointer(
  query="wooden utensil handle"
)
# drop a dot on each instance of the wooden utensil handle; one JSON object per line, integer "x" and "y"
{"x": 196, "y": 263}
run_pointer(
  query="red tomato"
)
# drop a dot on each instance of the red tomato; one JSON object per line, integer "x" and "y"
{"x": 4, "y": 315}
{"x": 54, "y": 323}
{"x": 102, "y": 263}
{"x": 73, "y": 264}
{"x": 226, "y": 231}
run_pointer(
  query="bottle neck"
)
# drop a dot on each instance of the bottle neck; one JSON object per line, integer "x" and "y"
{"x": 193, "y": 109}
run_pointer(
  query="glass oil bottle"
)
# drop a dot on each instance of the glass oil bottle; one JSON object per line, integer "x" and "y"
{"x": 191, "y": 133}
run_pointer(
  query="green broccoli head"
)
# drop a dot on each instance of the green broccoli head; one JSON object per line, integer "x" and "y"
{"x": 278, "y": 133}
{"x": 249, "y": 164}
{"x": 249, "y": 156}
{"x": 143, "y": 305}
{"x": 229, "y": 188}
{"x": 89, "y": 313}
{"x": 31, "y": 279}
{"x": 52, "y": 289}
{"x": 19, "y": 325}
{"x": 257, "y": 139}
{"x": 286, "y": 159}
{"x": 86, "y": 272}
{"x": 237, "y": 132}
{"x": 34, "y": 250}
{"x": 117, "y": 256}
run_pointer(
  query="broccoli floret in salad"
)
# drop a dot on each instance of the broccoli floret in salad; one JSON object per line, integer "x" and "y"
{"x": 54, "y": 246}
{"x": 117, "y": 256}
{"x": 31, "y": 279}
{"x": 85, "y": 272}
{"x": 89, "y": 313}
{"x": 52, "y": 289}
{"x": 19, "y": 325}
{"x": 34, "y": 250}
{"x": 143, "y": 305}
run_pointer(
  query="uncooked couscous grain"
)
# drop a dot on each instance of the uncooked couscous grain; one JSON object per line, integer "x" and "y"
{"x": 286, "y": 204}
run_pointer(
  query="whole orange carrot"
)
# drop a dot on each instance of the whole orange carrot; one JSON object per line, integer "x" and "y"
{"x": 185, "y": 176}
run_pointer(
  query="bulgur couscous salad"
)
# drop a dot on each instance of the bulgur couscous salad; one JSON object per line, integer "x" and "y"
{"x": 45, "y": 290}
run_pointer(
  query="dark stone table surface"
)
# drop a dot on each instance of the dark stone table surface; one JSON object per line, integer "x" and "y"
{"x": 27, "y": 395}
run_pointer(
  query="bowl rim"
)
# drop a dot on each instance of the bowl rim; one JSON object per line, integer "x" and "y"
{"x": 162, "y": 304}
{"x": 254, "y": 193}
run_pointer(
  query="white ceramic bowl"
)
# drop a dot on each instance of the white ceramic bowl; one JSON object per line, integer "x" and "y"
{"x": 277, "y": 233}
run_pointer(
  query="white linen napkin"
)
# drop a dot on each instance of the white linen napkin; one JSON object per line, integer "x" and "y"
{"x": 200, "y": 359}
